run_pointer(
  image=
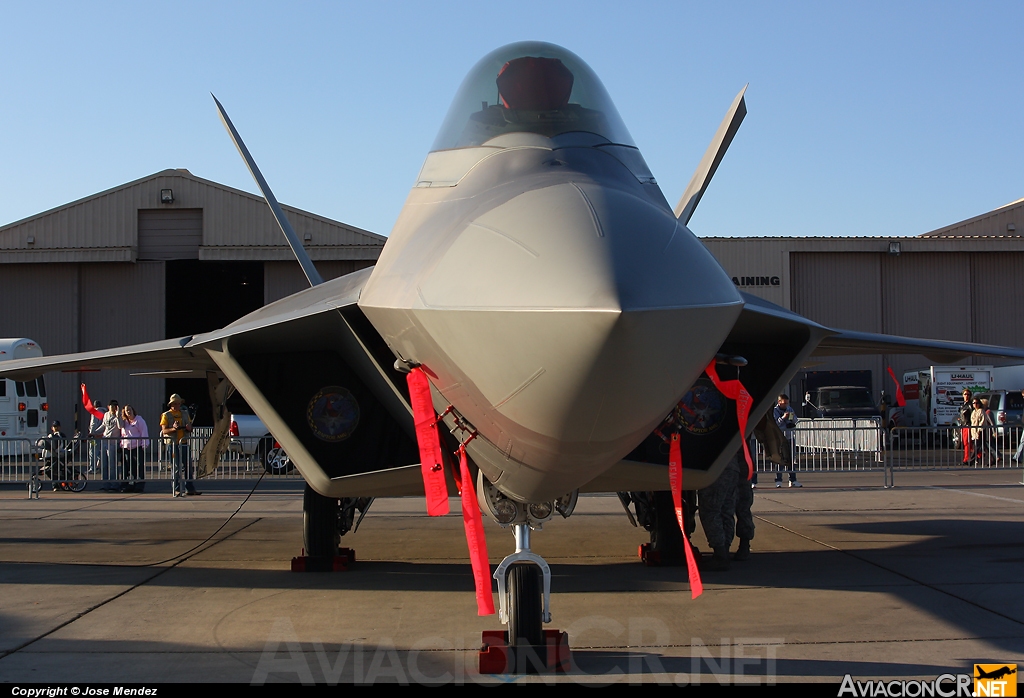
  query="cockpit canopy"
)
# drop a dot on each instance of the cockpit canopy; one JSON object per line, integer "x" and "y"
{"x": 530, "y": 87}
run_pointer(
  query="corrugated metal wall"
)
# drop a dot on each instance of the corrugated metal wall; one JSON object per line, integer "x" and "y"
{"x": 68, "y": 308}
{"x": 112, "y": 295}
{"x": 841, "y": 290}
{"x": 123, "y": 304}
{"x": 281, "y": 279}
{"x": 837, "y": 289}
{"x": 927, "y": 294}
{"x": 170, "y": 233}
{"x": 42, "y": 303}
{"x": 761, "y": 258}
{"x": 997, "y": 298}
{"x": 962, "y": 296}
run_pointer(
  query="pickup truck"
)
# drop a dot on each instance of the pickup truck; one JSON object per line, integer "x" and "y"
{"x": 250, "y": 438}
{"x": 840, "y": 401}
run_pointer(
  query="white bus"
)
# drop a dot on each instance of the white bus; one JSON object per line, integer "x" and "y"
{"x": 23, "y": 405}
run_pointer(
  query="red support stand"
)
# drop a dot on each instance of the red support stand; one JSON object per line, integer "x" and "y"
{"x": 654, "y": 558}
{"x": 324, "y": 563}
{"x": 494, "y": 654}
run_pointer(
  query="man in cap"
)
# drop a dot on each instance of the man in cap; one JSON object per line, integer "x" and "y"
{"x": 175, "y": 427}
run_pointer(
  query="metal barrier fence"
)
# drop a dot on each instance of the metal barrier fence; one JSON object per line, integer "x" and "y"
{"x": 829, "y": 445}
{"x": 818, "y": 445}
{"x": 953, "y": 448}
{"x": 81, "y": 460}
{"x": 848, "y": 445}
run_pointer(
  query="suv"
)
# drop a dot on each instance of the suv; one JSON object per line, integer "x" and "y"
{"x": 1007, "y": 408}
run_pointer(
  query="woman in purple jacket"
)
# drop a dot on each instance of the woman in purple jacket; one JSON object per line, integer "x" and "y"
{"x": 134, "y": 440}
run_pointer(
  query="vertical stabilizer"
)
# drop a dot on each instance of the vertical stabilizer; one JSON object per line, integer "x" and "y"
{"x": 712, "y": 157}
{"x": 289, "y": 233}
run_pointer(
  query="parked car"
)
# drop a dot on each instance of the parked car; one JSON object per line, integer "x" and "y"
{"x": 250, "y": 438}
{"x": 1007, "y": 408}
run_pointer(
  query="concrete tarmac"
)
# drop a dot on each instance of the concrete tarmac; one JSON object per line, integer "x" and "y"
{"x": 845, "y": 578}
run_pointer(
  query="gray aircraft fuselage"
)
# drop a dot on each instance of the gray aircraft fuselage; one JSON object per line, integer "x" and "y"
{"x": 558, "y": 304}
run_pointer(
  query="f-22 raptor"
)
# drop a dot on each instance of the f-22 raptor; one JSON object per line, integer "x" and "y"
{"x": 553, "y": 306}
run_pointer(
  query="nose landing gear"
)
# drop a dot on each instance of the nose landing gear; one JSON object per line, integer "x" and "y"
{"x": 524, "y": 597}
{"x": 519, "y": 596}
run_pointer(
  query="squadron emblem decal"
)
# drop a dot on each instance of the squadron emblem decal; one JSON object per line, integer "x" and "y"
{"x": 702, "y": 409}
{"x": 333, "y": 414}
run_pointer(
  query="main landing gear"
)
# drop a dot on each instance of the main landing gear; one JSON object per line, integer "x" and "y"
{"x": 324, "y": 521}
{"x": 655, "y": 512}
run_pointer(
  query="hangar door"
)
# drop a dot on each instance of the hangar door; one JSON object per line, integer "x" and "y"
{"x": 170, "y": 233}
{"x": 199, "y": 296}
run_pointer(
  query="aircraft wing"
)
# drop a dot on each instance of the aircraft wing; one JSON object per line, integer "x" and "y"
{"x": 315, "y": 342}
{"x": 164, "y": 355}
{"x": 187, "y": 353}
{"x": 776, "y": 343}
{"x": 845, "y": 342}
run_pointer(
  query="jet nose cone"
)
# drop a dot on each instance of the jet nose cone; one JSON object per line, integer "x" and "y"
{"x": 601, "y": 310}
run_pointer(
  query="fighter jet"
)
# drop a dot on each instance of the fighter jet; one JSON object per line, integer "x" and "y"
{"x": 555, "y": 304}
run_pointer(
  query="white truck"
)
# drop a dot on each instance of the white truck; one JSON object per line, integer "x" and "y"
{"x": 23, "y": 406}
{"x": 250, "y": 438}
{"x": 934, "y": 394}
{"x": 1008, "y": 378}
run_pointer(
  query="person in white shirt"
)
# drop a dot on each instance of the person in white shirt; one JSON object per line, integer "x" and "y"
{"x": 109, "y": 433}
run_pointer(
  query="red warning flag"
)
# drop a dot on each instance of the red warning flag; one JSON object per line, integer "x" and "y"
{"x": 476, "y": 540}
{"x": 429, "y": 442}
{"x": 900, "y": 400}
{"x": 89, "y": 407}
{"x": 734, "y": 390}
{"x": 675, "y": 479}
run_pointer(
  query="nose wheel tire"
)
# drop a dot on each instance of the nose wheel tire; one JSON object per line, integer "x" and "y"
{"x": 525, "y": 607}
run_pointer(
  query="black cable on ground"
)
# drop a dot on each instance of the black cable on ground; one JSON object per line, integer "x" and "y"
{"x": 208, "y": 538}
{"x": 178, "y": 556}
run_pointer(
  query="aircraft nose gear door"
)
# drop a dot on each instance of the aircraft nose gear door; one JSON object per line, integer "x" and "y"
{"x": 519, "y": 596}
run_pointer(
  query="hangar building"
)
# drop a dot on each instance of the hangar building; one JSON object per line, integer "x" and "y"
{"x": 169, "y": 255}
{"x": 962, "y": 282}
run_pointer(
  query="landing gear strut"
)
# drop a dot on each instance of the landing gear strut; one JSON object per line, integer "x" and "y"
{"x": 324, "y": 521}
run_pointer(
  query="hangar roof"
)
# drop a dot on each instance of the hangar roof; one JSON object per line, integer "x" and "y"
{"x": 1004, "y": 222}
{"x": 236, "y": 225}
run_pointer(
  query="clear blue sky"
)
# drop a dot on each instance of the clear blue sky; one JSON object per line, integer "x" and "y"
{"x": 865, "y": 118}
